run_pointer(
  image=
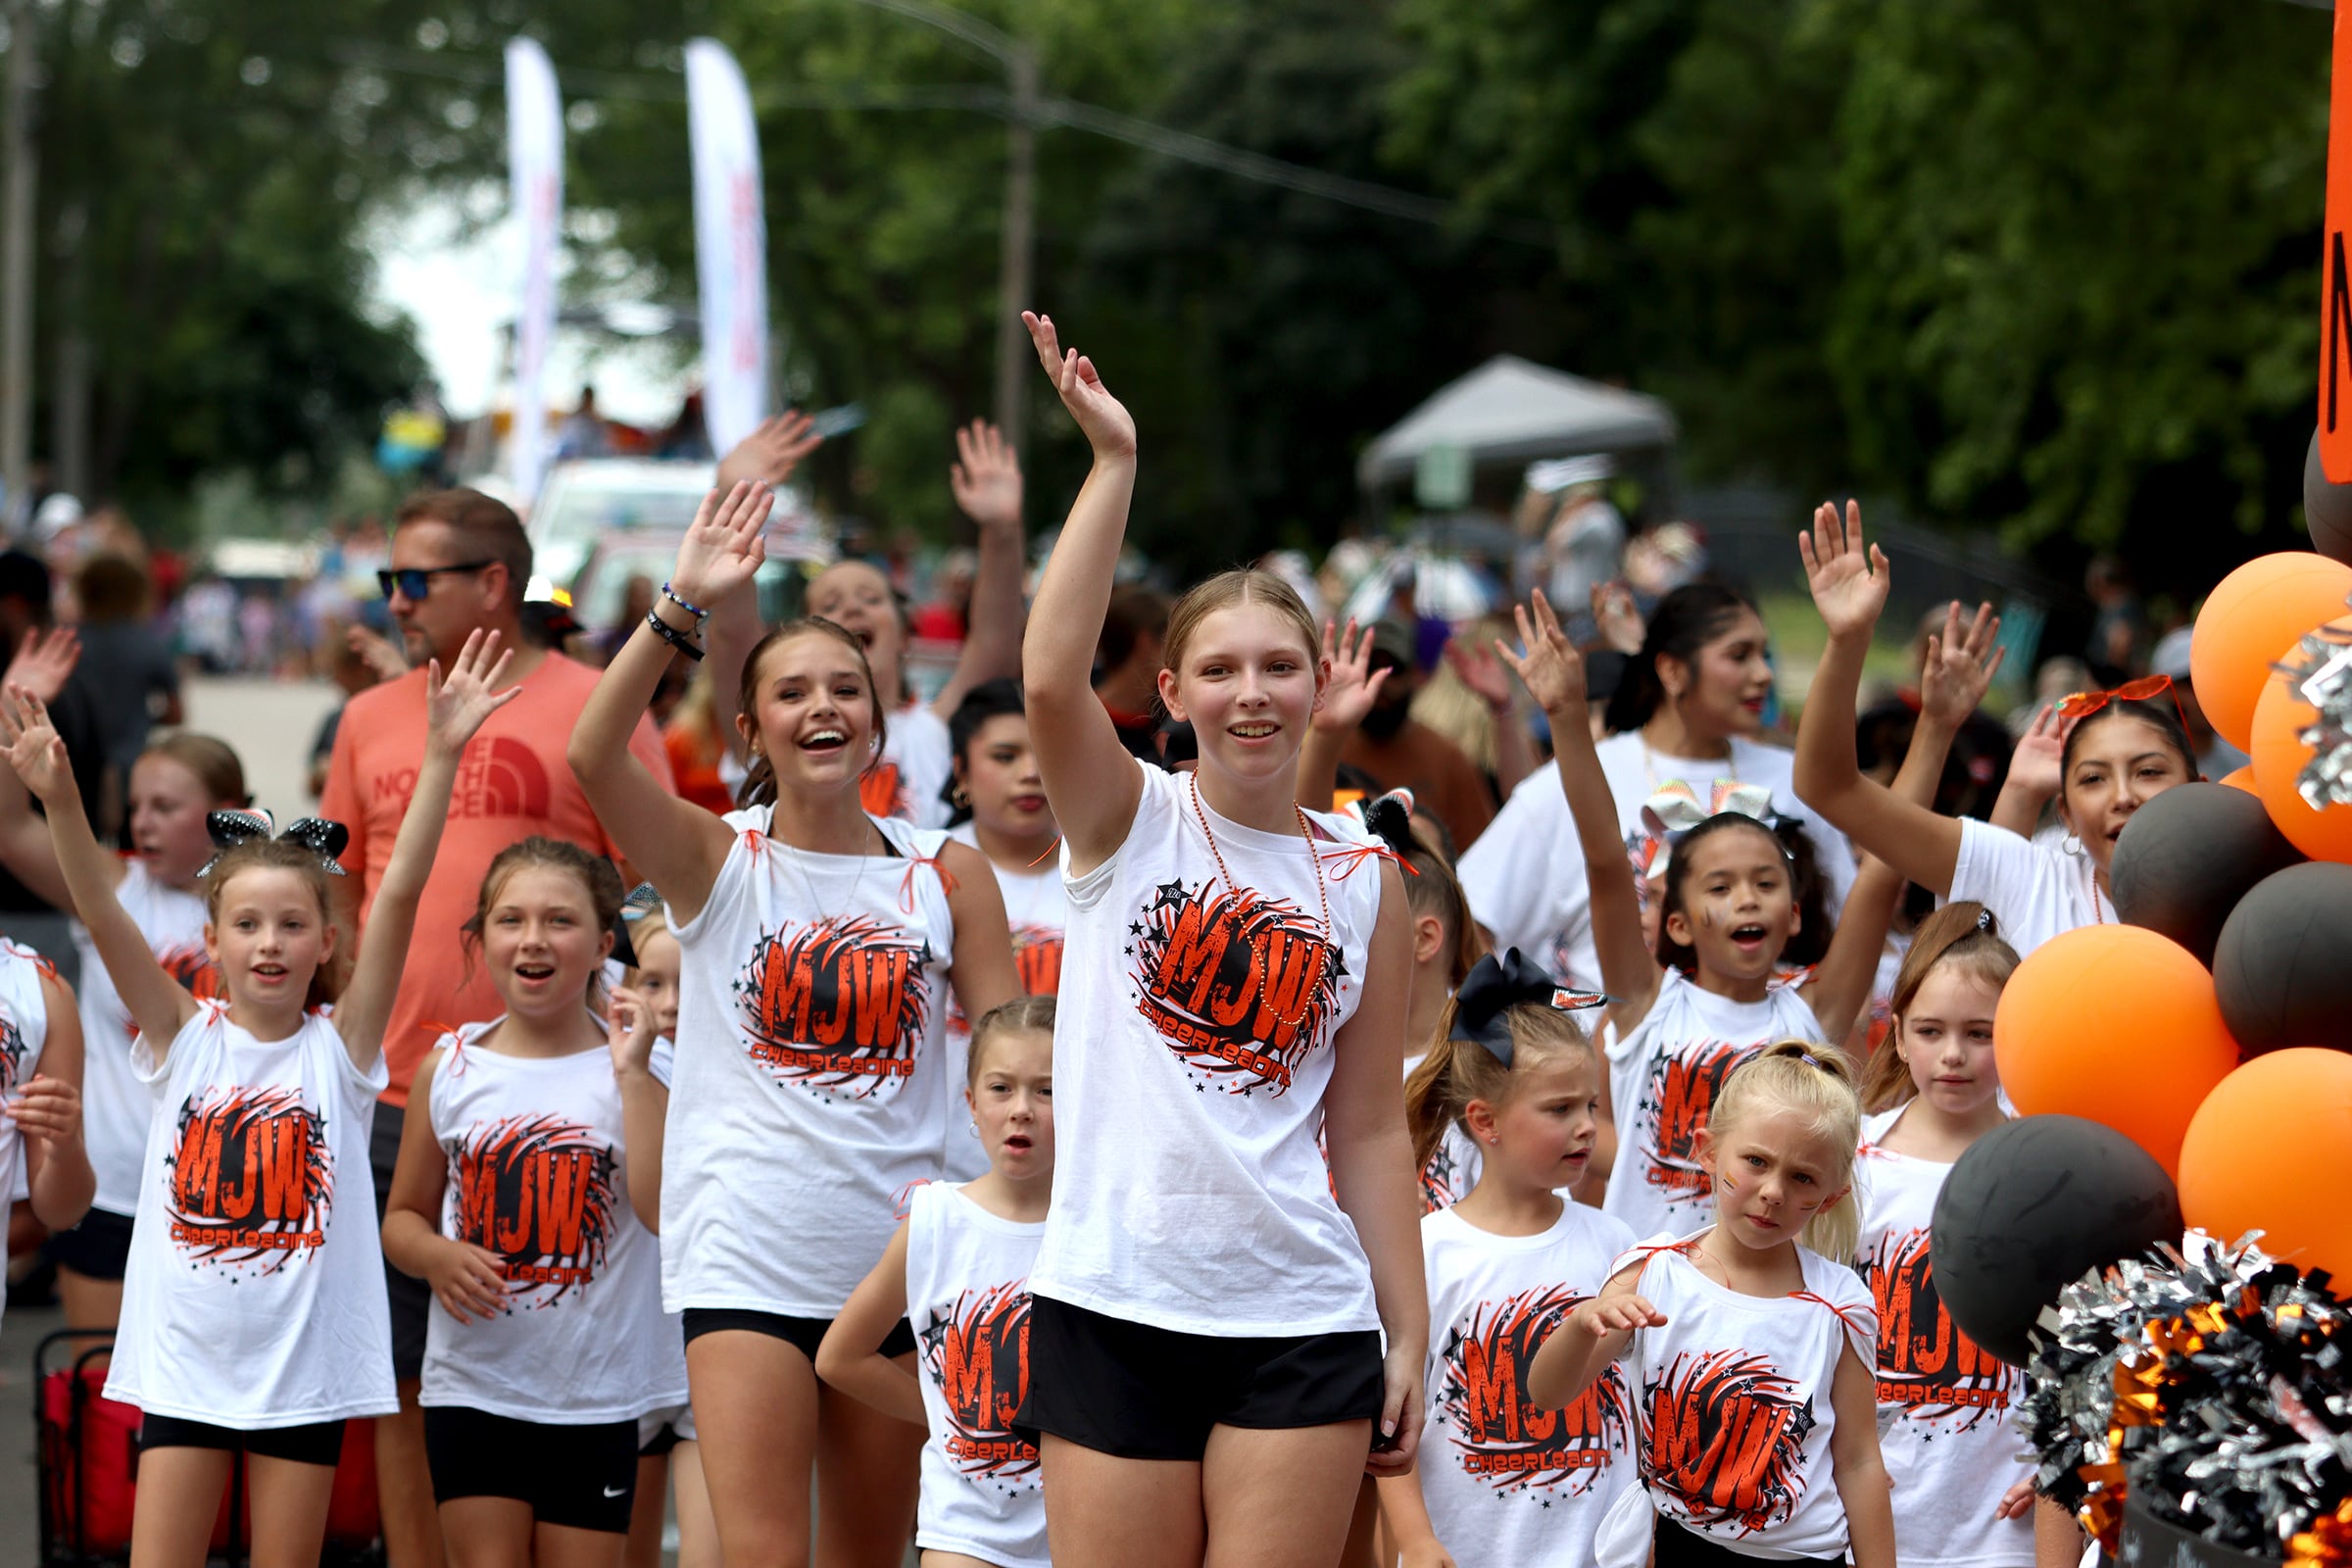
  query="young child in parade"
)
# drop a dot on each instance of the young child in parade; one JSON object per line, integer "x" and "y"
{"x": 1748, "y": 1346}
{"x": 818, "y": 943}
{"x": 957, "y": 1273}
{"x": 42, "y": 1152}
{"x": 999, "y": 809}
{"x": 1947, "y": 1410}
{"x": 1710, "y": 997}
{"x": 547, "y": 1343}
{"x": 1207, "y": 1368}
{"x": 1503, "y": 1480}
{"x": 254, "y": 1316}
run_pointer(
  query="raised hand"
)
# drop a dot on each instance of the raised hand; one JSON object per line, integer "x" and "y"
{"x": 34, "y": 748}
{"x": 986, "y": 476}
{"x": 1961, "y": 664}
{"x": 629, "y": 1032}
{"x": 1109, "y": 427}
{"x": 379, "y": 653}
{"x": 770, "y": 454}
{"x": 1352, "y": 685}
{"x": 2036, "y": 765}
{"x": 1609, "y": 1315}
{"x": 1478, "y": 669}
{"x": 1551, "y": 669}
{"x": 1849, "y": 582}
{"x": 44, "y": 661}
{"x": 468, "y": 1281}
{"x": 1618, "y": 618}
{"x": 457, "y": 706}
{"x": 723, "y": 547}
{"x": 48, "y": 1111}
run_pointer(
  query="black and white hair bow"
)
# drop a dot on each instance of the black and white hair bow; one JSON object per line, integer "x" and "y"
{"x": 1495, "y": 986}
{"x": 322, "y": 838}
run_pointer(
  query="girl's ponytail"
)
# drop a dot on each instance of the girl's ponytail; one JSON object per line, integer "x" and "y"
{"x": 1966, "y": 932}
{"x": 1816, "y": 1082}
{"x": 1432, "y": 1097}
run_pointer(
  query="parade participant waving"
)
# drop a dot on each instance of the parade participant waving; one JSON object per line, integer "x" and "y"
{"x": 1207, "y": 1363}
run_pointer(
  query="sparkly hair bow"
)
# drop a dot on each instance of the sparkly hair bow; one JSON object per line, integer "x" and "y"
{"x": 1673, "y": 814}
{"x": 642, "y": 901}
{"x": 1497, "y": 985}
{"x": 322, "y": 838}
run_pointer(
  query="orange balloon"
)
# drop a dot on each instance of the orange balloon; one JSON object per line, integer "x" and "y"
{"x": 2117, "y": 1024}
{"x": 2271, "y": 1149}
{"x": 2243, "y": 778}
{"x": 2278, "y": 759}
{"x": 2249, "y": 622}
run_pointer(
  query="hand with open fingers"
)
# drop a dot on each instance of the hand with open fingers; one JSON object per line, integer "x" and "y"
{"x": 1478, "y": 669}
{"x": 2017, "y": 1502}
{"x": 1849, "y": 581}
{"x": 1618, "y": 618}
{"x": 1109, "y": 427}
{"x": 1400, "y": 1413}
{"x": 986, "y": 476}
{"x": 1961, "y": 664}
{"x": 468, "y": 1281}
{"x": 1617, "y": 1314}
{"x": 2037, "y": 763}
{"x": 629, "y": 1032}
{"x": 1551, "y": 669}
{"x": 724, "y": 545}
{"x": 35, "y": 751}
{"x": 1349, "y": 693}
{"x": 770, "y": 454}
{"x": 48, "y": 1111}
{"x": 457, "y": 704}
{"x": 382, "y": 654}
{"x": 45, "y": 661}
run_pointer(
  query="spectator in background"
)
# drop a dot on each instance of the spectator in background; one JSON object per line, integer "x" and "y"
{"x": 942, "y": 619}
{"x": 1585, "y": 545}
{"x": 208, "y": 625}
{"x": 1978, "y": 764}
{"x": 126, "y": 657}
{"x": 697, "y": 746}
{"x": 1399, "y": 752}
{"x": 27, "y": 607}
{"x": 636, "y": 602}
{"x": 2119, "y": 635}
{"x": 2216, "y": 757}
{"x": 582, "y": 433}
{"x": 257, "y": 632}
{"x": 1127, "y": 665}
{"x": 349, "y": 666}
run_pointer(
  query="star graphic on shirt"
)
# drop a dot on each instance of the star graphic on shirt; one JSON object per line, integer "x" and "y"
{"x": 1171, "y": 896}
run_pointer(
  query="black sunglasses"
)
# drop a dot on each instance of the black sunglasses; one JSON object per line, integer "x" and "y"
{"x": 414, "y": 582}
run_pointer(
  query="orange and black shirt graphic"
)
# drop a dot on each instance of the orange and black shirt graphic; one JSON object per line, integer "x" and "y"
{"x": 1682, "y": 1089}
{"x": 1499, "y": 1434}
{"x": 196, "y": 973}
{"x": 1926, "y": 1364}
{"x": 977, "y": 1352}
{"x": 1035, "y": 958}
{"x": 1724, "y": 1436}
{"x": 13, "y": 1052}
{"x": 836, "y": 1007}
{"x": 1440, "y": 1179}
{"x": 538, "y": 1191}
{"x": 882, "y": 792}
{"x": 250, "y": 1179}
{"x": 1241, "y": 986}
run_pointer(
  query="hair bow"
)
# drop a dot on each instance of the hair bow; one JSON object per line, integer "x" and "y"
{"x": 1389, "y": 818}
{"x": 1497, "y": 985}
{"x": 1673, "y": 813}
{"x": 642, "y": 901}
{"x": 322, "y": 838}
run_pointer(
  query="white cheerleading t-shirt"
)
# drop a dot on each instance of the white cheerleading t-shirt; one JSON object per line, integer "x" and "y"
{"x": 1189, "y": 1191}
{"x": 1663, "y": 1080}
{"x": 24, "y": 1031}
{"x": 1733, "y": 1409}
{"x": 810, "y": 1077}
{"x": 918, "y": 760}
{"x": 2036, "y": 891}
{"x": 1525, "y": 876}
{"x": 1950, "y": 1420}
{"x": 1037, "y": 912}
{"x": 967, "y": 1302}
{"x": 1509, "y": 1484}
{"x": 116, "y": 1105}
{"x": 538, "y": 1175}
{"x": 255, "y": 1293}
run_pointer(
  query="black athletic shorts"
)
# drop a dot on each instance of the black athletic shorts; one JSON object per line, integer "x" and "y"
{"x": 319, "y": 1443}
{"x": 412, "y": 1299}
{"x": 97, "y": 1249}
{"x": 1141, "y": 1392}
{"x": 584, "y": 1477}
{"x": 1678, "y": 1547}
{"x": 802, "y": 1334}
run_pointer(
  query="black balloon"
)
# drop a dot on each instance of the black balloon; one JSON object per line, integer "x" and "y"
{"x": 2189, "y": 856}
{"x": 2033, "y": 1205}
{"x": 2283, "y": 968}
{"x": 2328, "y": 507}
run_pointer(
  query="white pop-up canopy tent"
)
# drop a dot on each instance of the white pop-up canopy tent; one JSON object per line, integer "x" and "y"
{"x": 1511, "y": 411}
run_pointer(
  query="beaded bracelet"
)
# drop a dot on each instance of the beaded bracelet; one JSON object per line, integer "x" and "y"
{"x": 696, "y": 610}
{"x": 671, "y": 635}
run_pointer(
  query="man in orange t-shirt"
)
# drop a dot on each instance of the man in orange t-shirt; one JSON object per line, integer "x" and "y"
{"x": 459, "y": 561}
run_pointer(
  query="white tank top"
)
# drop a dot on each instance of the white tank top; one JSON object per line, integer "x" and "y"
{"x": 254, "y": 1295}
{"x": 1663, "y": 1079}
{"x": 538, "y": 1174}
{"x": 1509, "y": 1484}
{"x": 808, "y": 1081}
{"x": 1949, "y": 1423}
{"x": 968, "y": 1300}
{"x": 1037, "y": 912}
{"x": 24, "y": 1030}
{"x": 116, "y": 1106}
{"x": 1189, "y": 1191}
{"x": 1732, "y": 1408}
